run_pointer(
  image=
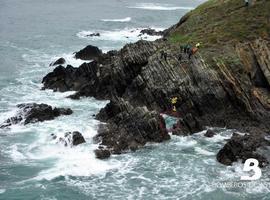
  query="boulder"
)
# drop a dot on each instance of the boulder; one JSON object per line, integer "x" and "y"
{"x": 209, "y": 133}
{"x": 77, "y": 138}
{"x": 102, "y": 153}
{"x": 129, "y": 128}
{"x": 88, "y": 53}
{"x": 70, "y": 139}
{"x": 59, "y": 61}
{"x": 32, "y": 113}
{"x": 243, "y": 147}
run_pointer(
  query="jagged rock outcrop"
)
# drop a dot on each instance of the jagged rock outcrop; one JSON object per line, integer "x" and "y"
{"x": 226, "y": 84}
{"x": 128, "y": 128}
{"x": 88, "y": 53}
{"x": 139, "y": 74}
{"x": 243, "y": 147}
{"x": 59, "y": 61}
{"x": 70, "y": 78}
{"x": 32, "y": 113}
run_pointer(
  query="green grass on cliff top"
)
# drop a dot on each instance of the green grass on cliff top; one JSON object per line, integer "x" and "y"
{"x": 222, "y": 22}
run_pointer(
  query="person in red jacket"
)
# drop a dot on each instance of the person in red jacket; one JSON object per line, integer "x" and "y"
{"x": 192, "y": 51}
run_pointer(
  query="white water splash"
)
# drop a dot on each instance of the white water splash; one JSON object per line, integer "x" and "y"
{"x": 157, "y": 6}
{"x": 127, "y": 19}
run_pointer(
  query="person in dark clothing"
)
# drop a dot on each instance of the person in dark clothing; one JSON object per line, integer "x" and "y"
{"x": 246, "y": 3}
{"x": 180, "y": 57}
{"x": 187, "y": 48}
{"x": 164, "y": 55}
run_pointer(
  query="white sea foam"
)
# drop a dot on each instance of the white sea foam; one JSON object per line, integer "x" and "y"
{"x": 15, "y": 154}
{"x": 70, "y": 59}
{"x": 158, "y": 6}
{"x": 2, "y": 191}
{"x": 126, "y": 35}
{"x": 202, "y": 151}
{"x": 127, "y": 19}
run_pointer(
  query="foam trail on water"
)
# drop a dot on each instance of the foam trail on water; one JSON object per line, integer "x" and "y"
{"x": 157, "y": 6}
{"x": 127, "y": 19}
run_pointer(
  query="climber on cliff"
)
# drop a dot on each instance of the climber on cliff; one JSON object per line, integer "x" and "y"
{"x": 163, "y": 54}
{"x": 198, "y": 45}
{"x": 192, "y": 51}
{"x": 185, "y": 48}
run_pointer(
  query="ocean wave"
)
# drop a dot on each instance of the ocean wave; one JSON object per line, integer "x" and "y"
{"x": 126, "y": 35}
{"x": 156, "y": 6}
{"x": 127, "y": 19}
{"x": 2, "y": 191}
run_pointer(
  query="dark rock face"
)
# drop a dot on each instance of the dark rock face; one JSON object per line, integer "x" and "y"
{"x": 33, "y": 112}
{"x": 187, "y": 126}
{"x": 129, "y": 128}
{"x": 217, "y": 94}
{"x": 151, "y": 32}
{"x": 209, "y": 133}
{"x": 77, "y": 138}
{"x": 102, "y": 153}
{"x": 88, "y": 53}
{"x": 140, "y": 74}
{"x": 243, "y": 147}
{"x": 65, "y": 79}
{"x": 59, "y": 61}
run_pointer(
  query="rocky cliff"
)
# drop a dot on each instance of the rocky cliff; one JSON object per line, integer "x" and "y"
{"x": 225, "y": 84}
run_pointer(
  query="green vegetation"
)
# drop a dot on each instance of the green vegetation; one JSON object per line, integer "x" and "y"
{"x": 218, "y": 23}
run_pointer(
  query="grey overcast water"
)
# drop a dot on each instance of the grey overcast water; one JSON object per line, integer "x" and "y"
{"x": 33, "y": 33}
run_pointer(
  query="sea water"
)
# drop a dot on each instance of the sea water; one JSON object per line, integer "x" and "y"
{"x": 33, "y": 33}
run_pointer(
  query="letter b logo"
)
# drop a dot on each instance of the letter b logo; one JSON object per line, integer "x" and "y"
{"x": 254, "y": 167}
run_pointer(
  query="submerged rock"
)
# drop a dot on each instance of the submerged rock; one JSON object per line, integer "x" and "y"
{"x": 93, "y": 35}
{"x": 32, "y": 113}
{"x": 152, "y": 32}
{"x": 128, "y": 127}
{"x": 88, "y": 53}
{"x": 59, "y": 61}
{"x": 243, "y": 147}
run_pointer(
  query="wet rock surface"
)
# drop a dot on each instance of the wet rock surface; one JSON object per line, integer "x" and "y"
{"x": 243, "y": 147}
{"x": 70, "y": 139}
{"x": 88, "y": 53}
{"x": 32, "y": 113}
{"x": 59, "y": 61}
{"x": 93, "y": 35}
{"x": 128, "y": 128}
{"x": 209, "y": 133}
